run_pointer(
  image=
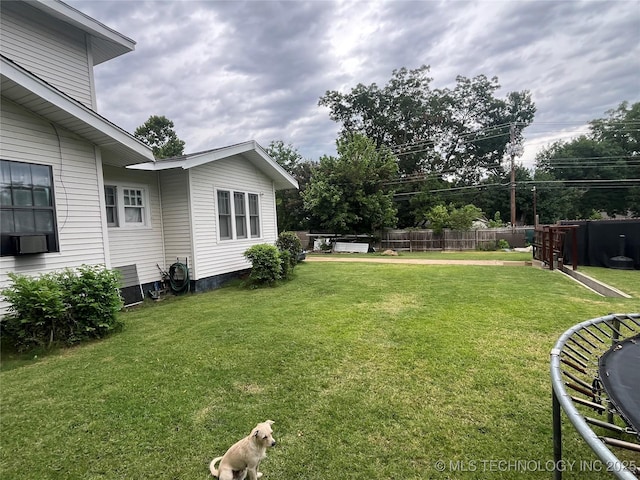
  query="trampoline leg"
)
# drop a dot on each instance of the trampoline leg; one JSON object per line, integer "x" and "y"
{"x": 557, "y": 437}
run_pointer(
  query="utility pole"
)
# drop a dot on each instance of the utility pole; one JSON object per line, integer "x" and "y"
{"x": 512, "y": 140}
{"x": 535, "y": 214}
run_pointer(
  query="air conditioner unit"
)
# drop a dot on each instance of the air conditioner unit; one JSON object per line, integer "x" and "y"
{"x": 29, "y": 244}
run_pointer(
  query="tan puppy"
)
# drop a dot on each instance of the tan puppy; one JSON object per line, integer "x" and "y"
{"x": 242, "y": 459}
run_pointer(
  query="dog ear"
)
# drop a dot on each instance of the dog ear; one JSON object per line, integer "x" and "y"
{"x": 270, "y": 422}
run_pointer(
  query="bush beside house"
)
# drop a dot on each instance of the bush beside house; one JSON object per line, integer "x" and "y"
{"x": 64, "y": 307}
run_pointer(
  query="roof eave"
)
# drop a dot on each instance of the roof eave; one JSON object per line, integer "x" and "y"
{"x": 108, "y": 42}
{"x": 25, "y": 89}
{"x": 250, "y": 151}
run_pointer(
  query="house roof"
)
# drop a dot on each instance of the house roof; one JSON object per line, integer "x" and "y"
{"x": 118, "y": 147}
{"x": 250, "y": 151}
{"x": 106, "y": 42}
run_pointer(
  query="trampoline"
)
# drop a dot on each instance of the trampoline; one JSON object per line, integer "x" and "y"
{"x": 595, "y": 368}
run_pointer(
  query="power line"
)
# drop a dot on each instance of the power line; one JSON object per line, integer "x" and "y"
{"x": 596, "y": 183}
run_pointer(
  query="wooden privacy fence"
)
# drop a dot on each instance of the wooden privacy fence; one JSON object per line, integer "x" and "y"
{"x": 426, "y": 240}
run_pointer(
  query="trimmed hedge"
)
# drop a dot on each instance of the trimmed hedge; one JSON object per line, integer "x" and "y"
{"x": 265, "y": 263}
{"x": 289, "y": 241}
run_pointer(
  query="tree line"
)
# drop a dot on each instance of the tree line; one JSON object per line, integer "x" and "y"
{"x": 409, "y": 154}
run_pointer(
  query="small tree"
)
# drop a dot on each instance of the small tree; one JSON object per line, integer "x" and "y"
{"x": 462, "y": 218}
{"x": 441, "y": 217}
{"x": 438, "y": 217}
{"x": 497, "y": 221}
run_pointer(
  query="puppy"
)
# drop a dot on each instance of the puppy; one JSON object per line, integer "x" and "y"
{"x": 242, "y": 459}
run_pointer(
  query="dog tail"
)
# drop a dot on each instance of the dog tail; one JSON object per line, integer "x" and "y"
{"x": 212, "y": 466}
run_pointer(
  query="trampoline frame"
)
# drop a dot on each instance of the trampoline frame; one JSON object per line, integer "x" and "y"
{"x": 576, "y": 336}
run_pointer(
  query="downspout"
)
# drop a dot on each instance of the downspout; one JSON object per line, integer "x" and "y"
{"x": 164, "y": 253}
{"x": 275, "y": 208}
{"x": 194, "y": 260}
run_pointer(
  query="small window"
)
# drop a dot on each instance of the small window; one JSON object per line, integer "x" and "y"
{"x": 133, "y": 206}
{"x": 111, "y": 202}
{"x": 126, "y": 206}
{"x": 26, "y": 204}
{"x": 224, "y": 214}
{"x": 254, "y": 215}
{"x": 241, "y": 215}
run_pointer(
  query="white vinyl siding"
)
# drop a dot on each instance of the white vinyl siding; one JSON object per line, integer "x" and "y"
{"x": 137, "y": 245}
{"x": 52, "y": 50}
{"x": 176, "y": 222}
{"x": 27, "y": 138}
{"x": 235, "y": 174}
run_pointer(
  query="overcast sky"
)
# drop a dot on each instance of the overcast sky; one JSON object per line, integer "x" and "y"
{"x": 228, "y": 72}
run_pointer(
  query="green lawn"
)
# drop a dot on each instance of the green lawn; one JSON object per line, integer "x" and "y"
{"x": 500, "y": 255}
{"x": 626, "y": 280}
{"x": 370, "y": 371}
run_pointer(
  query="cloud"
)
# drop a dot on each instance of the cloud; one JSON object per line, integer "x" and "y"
{"x": 226, "y": 72}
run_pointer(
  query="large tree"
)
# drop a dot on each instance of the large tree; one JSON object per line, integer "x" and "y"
{"x": 290, "y": 208}
{"x": 158, "y": 132}
{"x": 347, "y": 193}
{"x": 602, "y": 168}
{"x": 461, "y": 131}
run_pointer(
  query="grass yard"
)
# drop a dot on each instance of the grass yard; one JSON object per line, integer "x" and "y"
{"x": 626, "y": 280}
{"x": 500, "y": 255}
{"x": 370, "y": 371}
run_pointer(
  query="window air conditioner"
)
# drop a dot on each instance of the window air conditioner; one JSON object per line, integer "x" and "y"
{"x": 27, "y": 244}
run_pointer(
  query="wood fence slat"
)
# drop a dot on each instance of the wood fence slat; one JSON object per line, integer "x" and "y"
{"x": 426, "y": 240}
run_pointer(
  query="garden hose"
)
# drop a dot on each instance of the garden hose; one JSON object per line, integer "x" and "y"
{"x": 179, "y": 278}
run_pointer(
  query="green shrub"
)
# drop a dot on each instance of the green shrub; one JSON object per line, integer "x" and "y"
{"x": 64, "y": 307}
{"x": 326, "y": 247}
{"x": 265, "y": 263}
{"x": 289, "y": 241}
{"x": 503, "y": 244}
{"x": 286, "y": 263}
{"x": 36, "y": 311}
{"x": 487, "y": 246}
{"x": 94, "y": 299}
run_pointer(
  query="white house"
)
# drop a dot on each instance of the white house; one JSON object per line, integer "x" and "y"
{"x": 76, "y": 189}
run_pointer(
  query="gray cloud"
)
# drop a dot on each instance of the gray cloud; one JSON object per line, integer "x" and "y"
{"x": 226, "y": 72}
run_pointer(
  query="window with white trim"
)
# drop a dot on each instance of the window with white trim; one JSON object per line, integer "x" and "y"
{"x": 111, "y": 203}
{"x": 241, "y": 214}
{"x": 254, "y": 215}
{"x": 240, "y": 218}
{"x": 126, "y": 206}
{"x": 224, "y": 215}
